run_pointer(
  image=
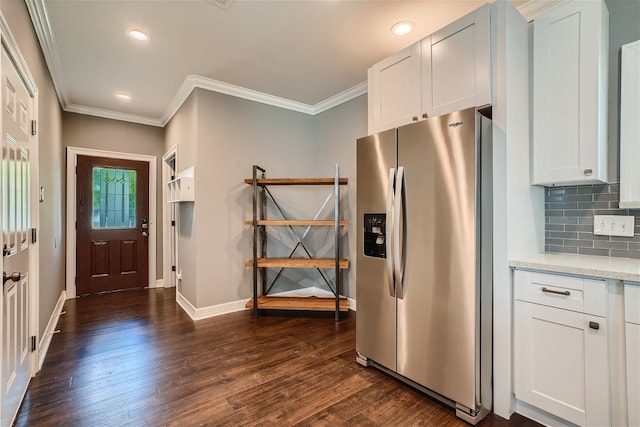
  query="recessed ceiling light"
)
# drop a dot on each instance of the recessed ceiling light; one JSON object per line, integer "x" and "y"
{"x": 123, "y": 96}
{"x": 402, "y": 28}
{"x": 138, "y": 35}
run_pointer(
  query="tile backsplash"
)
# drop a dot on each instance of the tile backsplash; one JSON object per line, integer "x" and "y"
{"x": 569, "y": 215}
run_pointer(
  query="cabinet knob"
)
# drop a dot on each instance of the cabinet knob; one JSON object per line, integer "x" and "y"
{"x": 594, "y": 325}
{"x": 425, "y": 116}
{"x": 588, "y": 172}
{"x": 415, "y": 118}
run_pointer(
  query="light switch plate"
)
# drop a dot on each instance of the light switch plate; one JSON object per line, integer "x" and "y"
{"x": 613, "y": 225}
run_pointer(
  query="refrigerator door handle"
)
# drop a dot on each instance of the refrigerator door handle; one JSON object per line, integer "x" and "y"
{"x": 389, "y": 230}
{"x": 398, "y": 213}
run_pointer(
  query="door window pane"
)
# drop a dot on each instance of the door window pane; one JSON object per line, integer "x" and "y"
{"x": 114, "y": 198}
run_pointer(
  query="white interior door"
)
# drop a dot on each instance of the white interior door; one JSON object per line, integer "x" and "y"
{"x": 17, "y": 113}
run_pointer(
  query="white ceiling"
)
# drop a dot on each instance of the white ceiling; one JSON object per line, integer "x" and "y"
{"x": 302, "y": 52}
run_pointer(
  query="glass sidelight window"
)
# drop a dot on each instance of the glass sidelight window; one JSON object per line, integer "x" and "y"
{"x": 114, "y": 198}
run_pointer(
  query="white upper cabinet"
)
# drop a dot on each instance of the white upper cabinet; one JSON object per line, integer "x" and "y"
{"x": 630, "y": 126}
{"x": 447, "y": 71}
{"x": 456, "y": 65}
{"x": 570, "y": 54}
{"x": 394, "y": 90}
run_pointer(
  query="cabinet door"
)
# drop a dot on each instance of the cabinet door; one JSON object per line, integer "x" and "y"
{"x": 633, "y": 372}
{"x": 394, "y": 90}
{"x": 561, "y": 363}
{"x": 632, "y": 343}
{"x": 570, "y": 54}
{"x": 456, "y": 65}
{"x": 630, "y": 126}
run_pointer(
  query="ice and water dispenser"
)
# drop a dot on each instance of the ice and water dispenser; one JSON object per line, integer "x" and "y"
{"x": 375, "y": 235}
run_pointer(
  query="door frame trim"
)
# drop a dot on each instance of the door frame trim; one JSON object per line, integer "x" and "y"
{"x": 72, "y": 159}
{"x": 168, "y": 275}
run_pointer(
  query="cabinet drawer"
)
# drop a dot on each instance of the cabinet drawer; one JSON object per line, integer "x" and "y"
{"x": 565, "y": 292}
{"x": 632, "y": 303}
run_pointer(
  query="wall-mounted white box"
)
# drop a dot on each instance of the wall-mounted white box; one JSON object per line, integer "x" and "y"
{"x": 613, "y": 225}
{"x": 182, "y": 188}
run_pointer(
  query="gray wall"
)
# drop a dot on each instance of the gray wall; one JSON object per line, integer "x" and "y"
{"x": 335, "y": 132}
{"x": 51, "y": 170}
{"x": 181, "y": 131}
{"x": 227, "y": 137}
{"x": 234, "y": 134}
{"x": 97, "y": 133}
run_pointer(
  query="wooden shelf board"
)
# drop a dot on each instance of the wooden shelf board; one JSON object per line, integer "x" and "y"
{"x": 297, "y": 181}
{"x": 298, "y": 222}
{"x": 299, "y": 263}
{"x": 299, "y": 303}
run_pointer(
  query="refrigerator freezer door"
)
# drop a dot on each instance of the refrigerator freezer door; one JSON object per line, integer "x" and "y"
{"x": 437, "y": 327}
{"x": 376, "y": 314}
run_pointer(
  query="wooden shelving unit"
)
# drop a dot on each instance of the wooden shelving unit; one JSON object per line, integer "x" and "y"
{"x": 298, "y": 303}
{"x": 298, "y": 263}
{"x": 298, "y": 222}
{"x": 260, "y": 261}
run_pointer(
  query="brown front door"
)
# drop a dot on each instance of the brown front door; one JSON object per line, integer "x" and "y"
{"x": 112, "y": 209}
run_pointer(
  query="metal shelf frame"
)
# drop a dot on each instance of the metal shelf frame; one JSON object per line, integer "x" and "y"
{"x": 261, "y": 195}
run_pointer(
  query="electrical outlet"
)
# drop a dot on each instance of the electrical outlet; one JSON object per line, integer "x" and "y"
{"x": 613, "y": 225}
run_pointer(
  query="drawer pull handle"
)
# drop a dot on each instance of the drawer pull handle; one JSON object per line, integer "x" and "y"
{"x": 594, "y": 325}
{"x": 551, "y": 291}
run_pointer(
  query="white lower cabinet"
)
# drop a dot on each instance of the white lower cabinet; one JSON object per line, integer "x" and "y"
{"x": 632, "y": 344}
{"x": 561, "y": 356}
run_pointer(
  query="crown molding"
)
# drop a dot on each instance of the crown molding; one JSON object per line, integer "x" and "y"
{"x": 114, "y": 115}
{"x": 534, "y": 8}
{"x": 193, "y": 81}
{"x": 40, "y": 19}
{"x": 341, "y": 98}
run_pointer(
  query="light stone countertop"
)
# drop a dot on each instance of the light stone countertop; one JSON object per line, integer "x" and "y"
{"x": 626, "y": 269}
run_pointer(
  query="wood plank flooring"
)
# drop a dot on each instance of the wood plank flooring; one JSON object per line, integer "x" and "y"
{"x": 135, "y": 358}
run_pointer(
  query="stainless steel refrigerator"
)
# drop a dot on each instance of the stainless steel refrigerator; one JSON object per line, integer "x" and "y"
{"x": 424, "y": 264}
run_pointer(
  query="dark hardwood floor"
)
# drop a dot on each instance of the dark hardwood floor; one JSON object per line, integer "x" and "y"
{"x": 136, "y": 359}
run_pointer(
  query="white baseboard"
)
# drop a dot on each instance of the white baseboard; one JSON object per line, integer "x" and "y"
{"x": 212, "y": 310}
{"x": 160, "y": 284}
{"x": 220, "y": 309}
{"x": 45, "y": 340}
{"x": 540, "y": 416}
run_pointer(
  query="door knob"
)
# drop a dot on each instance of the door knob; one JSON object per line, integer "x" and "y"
{"x": 14, "y": 277}
{"x": 145, "y": 234}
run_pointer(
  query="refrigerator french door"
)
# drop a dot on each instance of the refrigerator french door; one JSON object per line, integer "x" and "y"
{"x": 424, "y": 277}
